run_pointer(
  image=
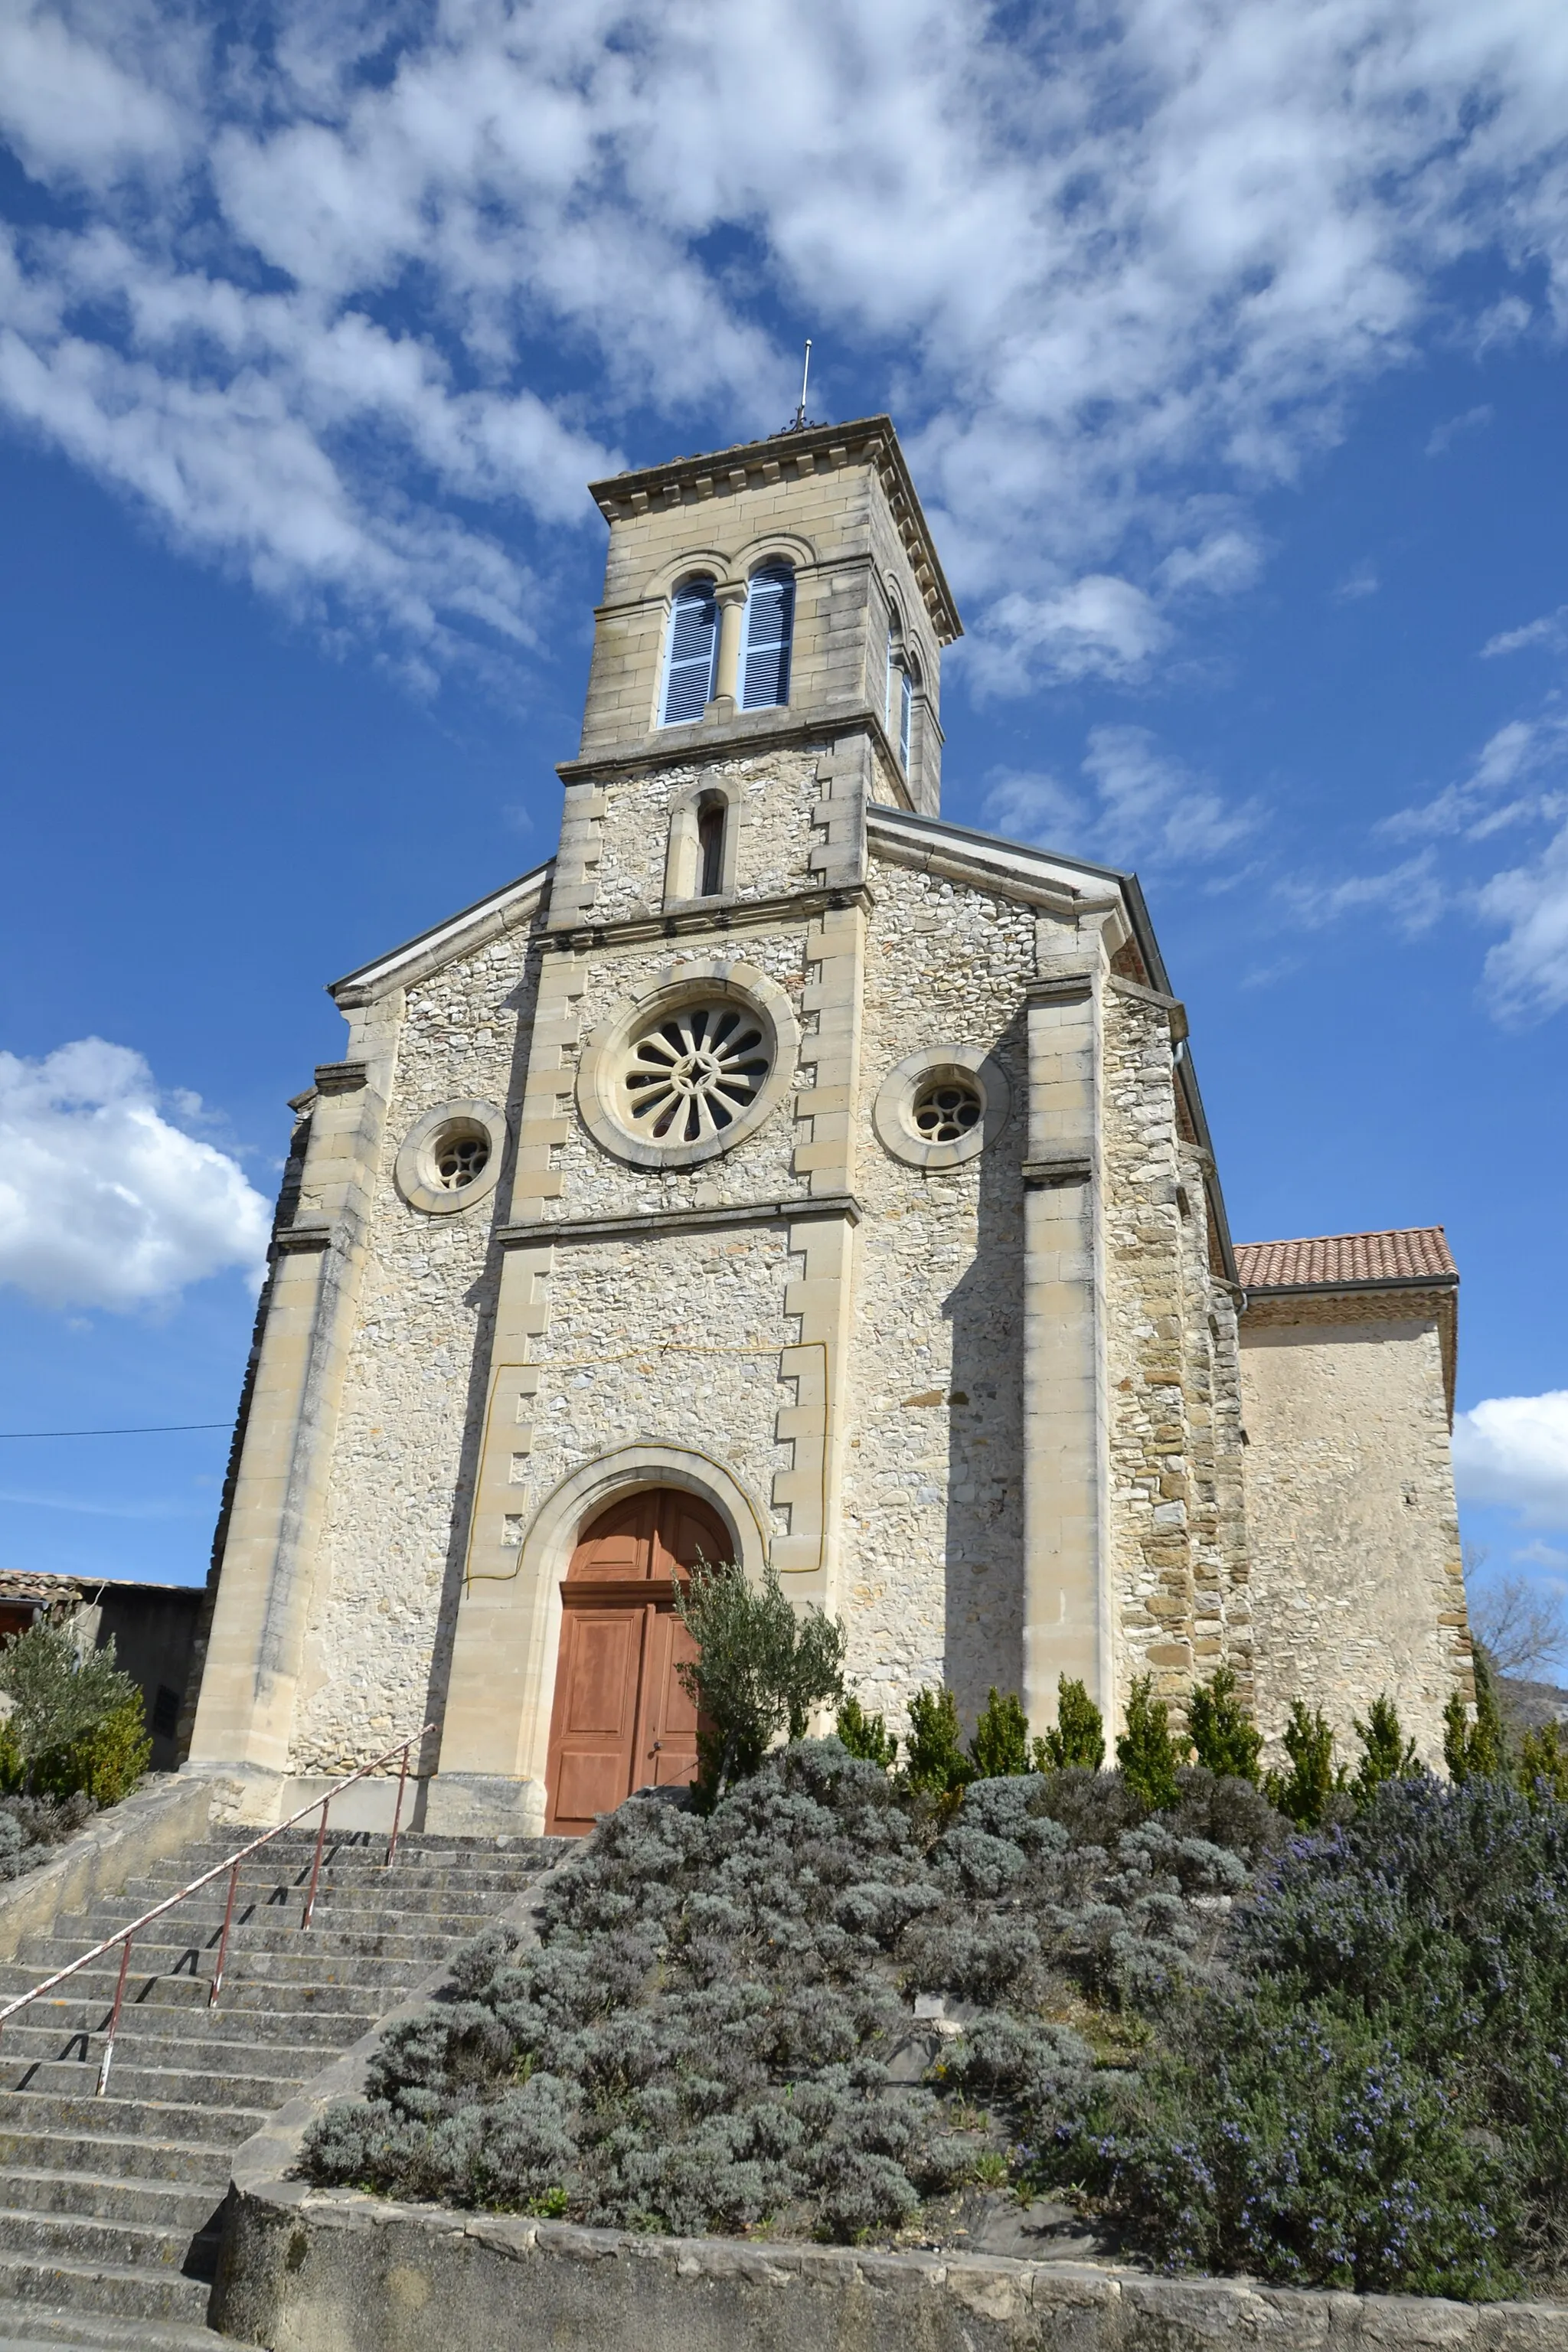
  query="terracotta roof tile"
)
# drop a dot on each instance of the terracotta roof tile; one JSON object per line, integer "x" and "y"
{"x": 1332, "y": 1261}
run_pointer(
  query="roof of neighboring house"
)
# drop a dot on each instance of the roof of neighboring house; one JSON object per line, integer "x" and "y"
{"x": 1409, "y": 1255}
{"x": 39, "y": 1584}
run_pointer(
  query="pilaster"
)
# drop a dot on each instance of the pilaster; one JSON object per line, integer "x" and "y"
{"x": 1067, "y": 1616}
{"x": 266, "y": 1581}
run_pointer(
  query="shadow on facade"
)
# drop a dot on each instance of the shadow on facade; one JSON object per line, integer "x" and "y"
{"x": 985, "y": 1527}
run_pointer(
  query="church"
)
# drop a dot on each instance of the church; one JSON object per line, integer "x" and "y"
{"x": 783, "y": 1174}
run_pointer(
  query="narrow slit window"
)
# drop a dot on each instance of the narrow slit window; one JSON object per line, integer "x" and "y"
{"x": 692, "y": 653}
{"x": 711, "y": 849}
{"x": 906, "y": 713}
{"x": 770, "y": 625}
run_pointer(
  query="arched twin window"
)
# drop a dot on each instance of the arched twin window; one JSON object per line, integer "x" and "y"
{"x": 692, "y": 651}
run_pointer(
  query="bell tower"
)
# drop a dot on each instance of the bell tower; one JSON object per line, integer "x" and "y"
{"x": 778, "y": 596}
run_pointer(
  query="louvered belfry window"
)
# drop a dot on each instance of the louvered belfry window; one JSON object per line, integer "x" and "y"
{"x": 693, "y": 650}
{"x": 770, "y": 625}
{"x": 906, "y": 713}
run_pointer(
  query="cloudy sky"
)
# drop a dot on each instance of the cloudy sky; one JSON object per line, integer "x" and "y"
{"x": 1225, "y": 339}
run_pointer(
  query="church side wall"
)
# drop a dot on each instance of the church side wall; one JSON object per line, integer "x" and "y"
{"x": 933, "y": 1526}
{"x": 1350, "y": 1503}
{"x": 409, "y": 1419}
{"x": 1178, "y": 1562}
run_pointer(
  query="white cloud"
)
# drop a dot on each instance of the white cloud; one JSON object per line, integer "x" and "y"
{"x": 1514, "y": 1451}
{"x": 1550, "y": 632}
{"x": 1143, "y": 806}
{"x": 1443, "y": 436}
{"x": 102, "y": 1202}
{"x": 1361, "y": 581}
{"x": 343, "y": 304}
{"x": 1526, "y": 973}
{"x": 1410, "y": 893}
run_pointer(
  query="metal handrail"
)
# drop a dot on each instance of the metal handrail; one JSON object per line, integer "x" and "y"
{"x": 231, "y": 1863}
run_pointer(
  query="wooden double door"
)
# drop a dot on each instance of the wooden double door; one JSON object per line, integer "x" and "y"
{"x": 621, "y": 1720}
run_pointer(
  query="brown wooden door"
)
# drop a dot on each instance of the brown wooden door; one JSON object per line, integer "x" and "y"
{"x": 621, "y": 1720}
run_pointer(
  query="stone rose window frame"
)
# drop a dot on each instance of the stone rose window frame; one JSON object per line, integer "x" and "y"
{"x": 610, "y": 1056}
{"x": 418, "y": 1172}
{"x": 909, "y": 1084}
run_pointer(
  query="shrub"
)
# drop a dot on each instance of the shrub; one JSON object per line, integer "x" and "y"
{"x": 1543, "y": 1767}
{"x": 104, "y": 1763}
{"x": 867, "y": 1736}
{"x": 1302, "y": 1794}
{"x": 1146, "y": 1752}
{"x": 59, "y": 1700}
{"x": 1386, "y": 1754}
{"x": 1225, "y": 1739}
{"x": 1475, "y": 1748}
{"x": 1077, "y": 1739}
{"x": 1000, "y": 1747}
{"x": 933, "y": 1758}
{"x": 760, "y": 1670}
{"x": 716, "y": 2026}
{"x": 1377, "y": 2097}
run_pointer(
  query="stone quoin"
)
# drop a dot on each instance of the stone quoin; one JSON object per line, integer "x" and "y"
{"x": 781, "y": 1160}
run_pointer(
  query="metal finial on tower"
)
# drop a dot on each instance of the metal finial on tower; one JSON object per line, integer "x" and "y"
{"x": 800, "y": 420}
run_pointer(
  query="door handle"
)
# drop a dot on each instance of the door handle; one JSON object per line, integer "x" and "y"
{"x": 654, "y": 1748}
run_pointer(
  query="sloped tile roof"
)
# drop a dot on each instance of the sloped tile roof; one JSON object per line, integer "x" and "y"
{"x": 1333, "y": 1261}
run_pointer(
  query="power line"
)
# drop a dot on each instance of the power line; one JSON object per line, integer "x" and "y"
{"x": 153, "y": 1429}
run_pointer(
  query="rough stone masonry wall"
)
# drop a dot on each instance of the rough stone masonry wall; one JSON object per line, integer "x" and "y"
{"x": 932, "y": 1524}
{"x": 1178, "y": 1558}
{"x": 673, "y": 1337}
{"x": 1358, "y": 1575}
{"x": 776, "y": 838}
{"x": 409, "y": 1423}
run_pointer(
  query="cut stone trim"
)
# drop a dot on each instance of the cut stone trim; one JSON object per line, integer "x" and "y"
{"x": 601, "y": 1076}
{"x": 417, "y": 1173}
{"x": 646, "y": 1222}
{"x": 715, "y": 914}
{"x": 892, "y": 1113}
{"x": 340, "y": 1077}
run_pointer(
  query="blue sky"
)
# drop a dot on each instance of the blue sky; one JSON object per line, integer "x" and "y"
{"x": 1226, "y": 346}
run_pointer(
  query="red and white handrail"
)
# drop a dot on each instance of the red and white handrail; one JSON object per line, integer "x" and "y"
{"x": 124, "y": 1936}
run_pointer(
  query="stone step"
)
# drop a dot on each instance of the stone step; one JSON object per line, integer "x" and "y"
{"x": 306, "y": 1959}
{"x": 191, "y": 2164}
{"x": 192, "y": 2052}
{"x": 154, "y": 2118}
{"x": 75, "y": 2238}
{"x": 115, "y": 2289}
{"x": 320, "y": 2033}
{"x": 26, "y": 2327}
{"x": 202, "y": 1925}
{"x": 199, "y": 2088}
{"x": 93, "y": 1988}
{"x": 157, "y": 2204}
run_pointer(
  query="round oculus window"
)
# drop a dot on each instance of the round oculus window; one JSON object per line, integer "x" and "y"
{"x": 690, "y": 1075}
{"x": 942, "y": 1105}
{"x": 452, "y": 1158}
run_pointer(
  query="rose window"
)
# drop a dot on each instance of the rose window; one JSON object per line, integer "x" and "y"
{"x": 692, "y": 1074}
{"x": 947, "y": 1110}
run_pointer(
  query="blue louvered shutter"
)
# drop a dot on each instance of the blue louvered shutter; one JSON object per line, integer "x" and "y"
{"x": 770, "y": 623}
{"x": 693, "y": 649}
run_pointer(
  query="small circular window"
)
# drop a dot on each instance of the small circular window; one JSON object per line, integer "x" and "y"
{"x": 690, "y": 1066}
{"x": 942, "y": 1105}
{"x": 946, "y": 1109}
{"x": 690, "y": 1075}
{"x": 452, "y": 1159}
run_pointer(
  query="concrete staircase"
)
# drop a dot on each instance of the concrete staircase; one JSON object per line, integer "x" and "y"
{"x": 111, "y": 2207}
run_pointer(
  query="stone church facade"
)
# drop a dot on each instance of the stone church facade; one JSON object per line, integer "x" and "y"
{"x": 783, "y": 1170}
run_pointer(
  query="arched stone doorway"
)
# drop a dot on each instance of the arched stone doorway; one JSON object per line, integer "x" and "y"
{"x": 621, "y": 1720}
